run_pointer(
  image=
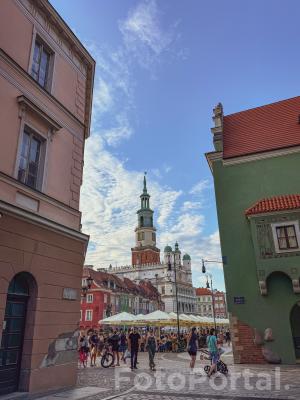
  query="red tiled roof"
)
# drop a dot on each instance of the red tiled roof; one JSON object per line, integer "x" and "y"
{"x": 202, "y": 291}
{"x": 277, "y": 203}
{"x": 270, "y": 127}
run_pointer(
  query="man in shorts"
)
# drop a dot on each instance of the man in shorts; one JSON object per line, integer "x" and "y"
{"x": 212, "y": 345}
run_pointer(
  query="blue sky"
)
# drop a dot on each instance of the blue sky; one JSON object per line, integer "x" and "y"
{"x": 162, "y": 65}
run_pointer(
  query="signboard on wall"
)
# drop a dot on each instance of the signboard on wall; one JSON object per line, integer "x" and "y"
{"x": 239, "y": 300}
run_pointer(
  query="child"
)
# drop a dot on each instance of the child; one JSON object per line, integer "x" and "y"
{"x": 83, "y": 356}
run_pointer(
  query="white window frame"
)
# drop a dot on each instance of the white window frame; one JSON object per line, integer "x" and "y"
{"x": 25, "y": 126}
{"x": 91, "y": 315}
{"x": 38, "y": 36}
{"x": 285, "y": 223}
{"x": 89, "y": 298}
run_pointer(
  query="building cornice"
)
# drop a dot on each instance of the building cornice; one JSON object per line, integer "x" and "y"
{"x": 36, "y": 194}
{"x": 43, "y": 222}
{"x": 142, "y": 248}
{"x": 26, "y": 103}
{"x": 215, "y": 156}
{"x": 262, "y": 155}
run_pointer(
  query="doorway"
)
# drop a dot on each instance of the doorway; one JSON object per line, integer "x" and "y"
{"x": 13, "y": 333}
{"x": 295, "y": 325}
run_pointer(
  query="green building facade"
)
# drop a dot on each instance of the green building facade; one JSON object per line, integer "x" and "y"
{"x": 257, "y": 185}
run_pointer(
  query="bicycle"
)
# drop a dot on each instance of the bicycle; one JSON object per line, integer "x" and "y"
{"x": 221, "y": 366}
{"x": 107, "y": 358}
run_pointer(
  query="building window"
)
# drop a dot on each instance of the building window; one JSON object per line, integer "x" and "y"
{"x": 153, "y": 237}
{"x": 31, "y": 159}
{"x": 141, "y": 236}
{"x": 88, "y": 315}
{"x": 286, "y": 236}
{"x": 41, "y": 63}
{"x": 80, "y": 315}
{"x": 89, "y": 298}
{"x": 105, "y": 298}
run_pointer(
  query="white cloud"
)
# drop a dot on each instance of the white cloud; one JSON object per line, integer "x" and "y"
{"x": 200, "y": 187}
{"x": 191, "y": 205}
{"x": 110, "y": 192}
{"x": 122, "y": 130}
{"x": 109, "y": 200}
{"x": 167, "y": 168}
{"x": 102, "y": 100}
{"x": 144, "y": 35}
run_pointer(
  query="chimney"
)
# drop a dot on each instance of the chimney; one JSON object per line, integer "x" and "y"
{"x": 217, "y": 130}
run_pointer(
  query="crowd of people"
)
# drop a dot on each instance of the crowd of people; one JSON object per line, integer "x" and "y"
{"x": 126, "y": 344}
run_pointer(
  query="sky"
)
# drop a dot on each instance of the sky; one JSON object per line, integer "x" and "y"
{"x": 162, "y": 65}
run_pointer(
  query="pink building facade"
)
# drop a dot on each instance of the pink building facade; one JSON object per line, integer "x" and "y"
{"x": 46, "y": 82}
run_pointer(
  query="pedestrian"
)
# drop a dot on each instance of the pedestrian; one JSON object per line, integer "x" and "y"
{"x": 114, "y": 341}
{"x": 133, "y": 346}
{"x": 83, "y": 349}
{"x": 123, "y": 345}
{"x": 212, "y": 345}
{"x": 94, "y": 340}
{"x": 227, "y": 338}
{"x": 151, "y": 346}
{"x": 192, "y": 347}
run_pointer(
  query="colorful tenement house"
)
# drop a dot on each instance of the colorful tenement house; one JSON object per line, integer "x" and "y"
{"x": 255, "y": 167}
{"x": 46, "y": 86}
{"x": 146, "y": 264}
{"x": 111, "y": 295}
{"x": 210, "y": 304}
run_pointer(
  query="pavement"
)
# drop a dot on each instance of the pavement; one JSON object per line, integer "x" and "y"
{"x": 173, "y": 380}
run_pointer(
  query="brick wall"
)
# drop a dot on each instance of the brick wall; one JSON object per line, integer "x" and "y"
{"x": 147, "y": 256}
{"x": 245, "y": 351}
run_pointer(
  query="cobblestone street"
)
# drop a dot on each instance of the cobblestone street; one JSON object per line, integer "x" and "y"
{"x": 173, "y": 379}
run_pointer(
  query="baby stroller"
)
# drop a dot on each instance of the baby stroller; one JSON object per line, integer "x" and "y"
{"x": 221, "y": 366}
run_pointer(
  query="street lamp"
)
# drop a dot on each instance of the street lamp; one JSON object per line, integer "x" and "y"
{"x": 176, "y": 292}
{"x": 88, "y": 284}
{"x": 212, "y": 295}
{"x": 210, "y": 285}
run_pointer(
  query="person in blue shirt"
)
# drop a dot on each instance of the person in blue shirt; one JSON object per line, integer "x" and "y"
{"x": 212, "y": 345}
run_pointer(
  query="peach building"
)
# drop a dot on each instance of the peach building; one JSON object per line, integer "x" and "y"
{"x": 46, "y": 84}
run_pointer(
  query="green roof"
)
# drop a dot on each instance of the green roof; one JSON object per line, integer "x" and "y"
{"x": 186, "y": 257}
{"x": 168, "y": 249}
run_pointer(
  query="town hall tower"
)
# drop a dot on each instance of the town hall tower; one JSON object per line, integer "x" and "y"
{"x": 145, "y": 250}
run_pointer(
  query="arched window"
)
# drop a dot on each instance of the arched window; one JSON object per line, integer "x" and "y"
{"x": 19, "y": 285}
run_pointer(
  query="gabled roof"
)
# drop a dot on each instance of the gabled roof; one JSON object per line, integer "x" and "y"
{"x": 269, "y": 127}
{"x": 273, "y": 204}
{"x": 101, "y": 278}
{"x": 202, "y": 291}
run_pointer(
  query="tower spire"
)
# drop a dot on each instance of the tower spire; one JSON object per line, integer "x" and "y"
{"x": 145, "y": 183}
